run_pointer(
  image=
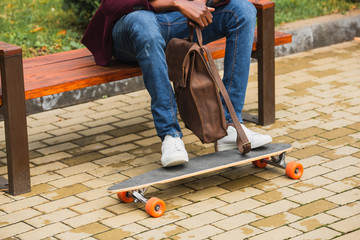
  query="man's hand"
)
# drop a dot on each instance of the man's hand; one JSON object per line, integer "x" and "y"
{"x": 196, "y": 11}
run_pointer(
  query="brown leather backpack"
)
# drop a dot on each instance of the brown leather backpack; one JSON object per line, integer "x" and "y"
{"x": 197, "y": 84}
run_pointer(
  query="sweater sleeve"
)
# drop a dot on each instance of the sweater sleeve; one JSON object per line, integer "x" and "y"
{"x": 121, "y": 7}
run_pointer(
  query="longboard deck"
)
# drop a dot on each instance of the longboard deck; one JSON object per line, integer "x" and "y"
{"x": 199, "y": 165}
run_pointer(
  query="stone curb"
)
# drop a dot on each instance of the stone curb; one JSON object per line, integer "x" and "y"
{"x": 307, "y": 34}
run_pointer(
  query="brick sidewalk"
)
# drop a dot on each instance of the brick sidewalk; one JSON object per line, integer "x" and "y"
{"x": 78, "y": 152}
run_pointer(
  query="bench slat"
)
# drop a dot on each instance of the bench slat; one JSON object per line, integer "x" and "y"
{"x": 57, "y": 57}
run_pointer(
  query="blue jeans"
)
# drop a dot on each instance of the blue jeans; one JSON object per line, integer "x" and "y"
{"x": 142, "y": 36}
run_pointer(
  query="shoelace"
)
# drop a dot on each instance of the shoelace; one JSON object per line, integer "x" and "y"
{"x": 173, "y": 145}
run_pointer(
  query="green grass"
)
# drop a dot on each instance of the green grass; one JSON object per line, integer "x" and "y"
{"x": 38, "y": 26}
{"x": 292, "y": 10}
{"x": 42, "y": 26}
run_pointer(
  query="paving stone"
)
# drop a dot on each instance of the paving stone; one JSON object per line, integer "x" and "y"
{"x": 122, "y": 139}
{"x": 94, "y": 205}
{"x": 343, "y": 185}
{"x": 86, "y": 149}
{"x": 119, "y": 149}
{"x": 314, "y": 222}
{"x": 83, "y": 232}
{"x": 243, "y": 232}
{"x": 18, "y": 216}
{"x": 165, "y": 232}
{"x": 308, "y": 152}
{"x": 57, "y": 148}
{"x": 312, "y": 183}
{"x": 275, "y": 221}
{"x": 310, "y": 196}
{"x": 313, "y": 161}
{"x": 201, "y": 207}
{"x": 72, "y": 121}
{"x": 46, "y": 168}
{"x": 207, "y": 182}
{"x": 275, "y": 183}
{"x": 169, "y": 217}
{"x": 51, "y": 158}
{"x": 237, "y": 220}
{"x": 15, "y": 229}
{"x": 69, "y": 181}
{"x": 346, "y": 197}
{"x": 81, "y": 168}
{"x": 58, "y": 204}
{"x": 342, "y": 162}
{"x": 44, "y": 178}
{"x": 313, "y": 208}
{"x": 275, "y": 195}
{"x": 320, "y": 233}
{"x": 205, "y": 194}
{"x": 240, "y": 206}
{"x": 347, "y": 225}
{"x": 22, "y": 204}
{"x": 81, "y": 159}
{"x": 124, "y": 219}
{"x": 340, "y": 174}
{"x": 144, "y": 160}
{"x": 201, "y": 220}
{"x": 275, "y": 208}
{"x": 352, "y": 235}
{"x": 277, "y": 234}
{"x": 66, "y": 191}
{"x": 66, "y": 130}
{"x": 50, "y": 218}
{"x": 315, "y": 171}
{"x": 38, "y": 189}
{"x": 88, "y": 218}
{"x": 346, "y": 211}
{"x": 45, "y": 232}
{"x": 199, "y": 233}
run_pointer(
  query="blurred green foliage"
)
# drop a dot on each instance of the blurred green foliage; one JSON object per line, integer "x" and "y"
{"x": 292, "y": 10}
{"x": 38, "y": 26}
{"x": 83, "y": 9}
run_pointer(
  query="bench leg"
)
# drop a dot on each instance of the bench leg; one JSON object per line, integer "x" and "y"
{"x": 14, "y": 111}
{"x": 266, "y": 66}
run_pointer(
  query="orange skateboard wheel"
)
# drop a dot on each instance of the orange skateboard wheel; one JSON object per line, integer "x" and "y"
{"x": 259, "y": 163}
{"x": 294, "y": 170}
{"x": 124, "y": 196}
{"x": 155, "y": 207}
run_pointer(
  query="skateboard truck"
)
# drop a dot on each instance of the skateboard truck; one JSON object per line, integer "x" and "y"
{"x": 278, "y": 161}
{"x": 293, "y": 170}
{"x": 155, "y": 207}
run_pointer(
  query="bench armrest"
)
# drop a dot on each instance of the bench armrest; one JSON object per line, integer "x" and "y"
{"x": 262, "y": 4}
{"x": 7, "y": 49}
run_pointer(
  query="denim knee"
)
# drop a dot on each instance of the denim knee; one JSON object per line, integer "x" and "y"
{"x": 244, "y": 11}
{"x": 144, "y": 28}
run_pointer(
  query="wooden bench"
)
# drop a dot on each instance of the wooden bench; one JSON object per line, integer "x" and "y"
{"x": 76, "y": 69}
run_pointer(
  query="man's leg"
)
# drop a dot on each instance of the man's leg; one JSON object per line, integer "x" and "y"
{"x": 137, "y": 37}
{"x": 236, "y": 22}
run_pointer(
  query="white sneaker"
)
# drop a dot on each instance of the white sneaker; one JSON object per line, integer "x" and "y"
{"x": 229, "y": 141}
{"x": 173, "y": 152}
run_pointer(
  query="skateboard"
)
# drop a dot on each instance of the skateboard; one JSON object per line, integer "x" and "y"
{"x": 134, "y": 188}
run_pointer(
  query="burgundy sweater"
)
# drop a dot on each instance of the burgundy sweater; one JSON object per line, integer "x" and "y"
{"x": 98, "y": 34}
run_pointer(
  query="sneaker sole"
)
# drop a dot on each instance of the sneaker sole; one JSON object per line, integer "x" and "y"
{"x": 174, "y": 162}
